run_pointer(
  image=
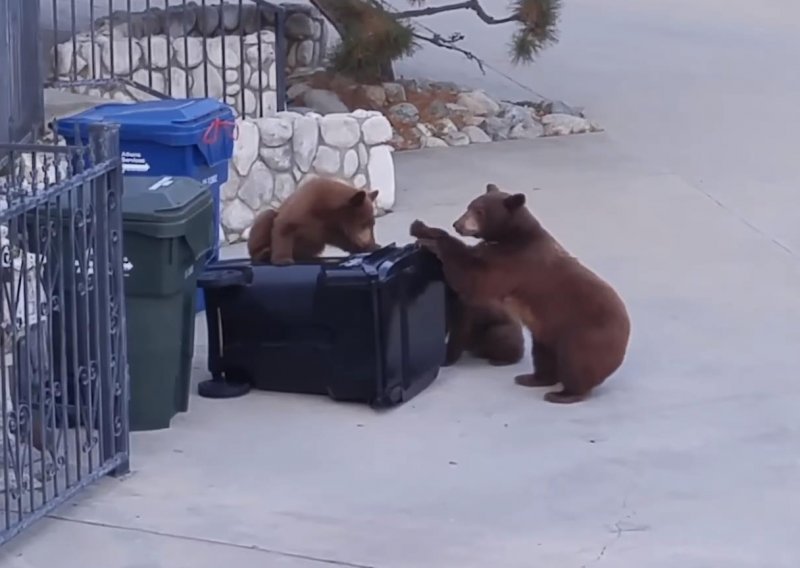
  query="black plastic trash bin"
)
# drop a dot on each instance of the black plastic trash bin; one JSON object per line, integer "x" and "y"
{"x": 368, "y": 328}
{"x": 168, "y": 229}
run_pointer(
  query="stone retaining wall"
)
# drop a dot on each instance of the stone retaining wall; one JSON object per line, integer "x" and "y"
{"x": 221, "y": 51}
{"x": 273, "y": 155}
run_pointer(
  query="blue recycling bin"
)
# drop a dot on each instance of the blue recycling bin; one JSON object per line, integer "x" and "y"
{"x": 178, "y": 137}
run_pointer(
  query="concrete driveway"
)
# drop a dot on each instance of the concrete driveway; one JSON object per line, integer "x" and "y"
{"x": 687, "y": 457}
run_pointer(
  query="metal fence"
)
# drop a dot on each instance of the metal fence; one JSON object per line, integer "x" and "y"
{"x": 63, "y": 377}
{"x": 160, "y": 32}
{"x": 21, "y": 104}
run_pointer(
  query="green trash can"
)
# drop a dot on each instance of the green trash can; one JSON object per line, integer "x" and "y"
{"x": 168, "y": 227}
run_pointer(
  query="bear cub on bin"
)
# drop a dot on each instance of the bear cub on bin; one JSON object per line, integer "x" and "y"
{"x": 321, "y": 212}
{"x": 579, "y": 324}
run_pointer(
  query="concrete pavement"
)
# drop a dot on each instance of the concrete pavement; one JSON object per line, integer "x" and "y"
{"x": 687, "y": 457}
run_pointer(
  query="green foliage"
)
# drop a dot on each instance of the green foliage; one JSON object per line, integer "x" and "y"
{"x": 537, "y": 22}
{"x": 373, "y": 37}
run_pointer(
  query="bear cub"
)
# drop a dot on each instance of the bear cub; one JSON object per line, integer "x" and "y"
{"x": 322, "y": 211}
{"x": 485, "y": 331}
{"x": 579, "y": 324}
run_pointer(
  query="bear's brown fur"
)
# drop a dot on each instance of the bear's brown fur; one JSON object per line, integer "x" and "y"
{"x": 580, "y": 326}
{"x": 486, "y": 331}
{"x": 321, "y": 212}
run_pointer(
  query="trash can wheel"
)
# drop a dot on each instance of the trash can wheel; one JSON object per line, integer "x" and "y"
{"x": 220, "y": 388}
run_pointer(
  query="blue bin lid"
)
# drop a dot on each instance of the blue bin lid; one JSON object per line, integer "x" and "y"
{"x": 171, "y": 122}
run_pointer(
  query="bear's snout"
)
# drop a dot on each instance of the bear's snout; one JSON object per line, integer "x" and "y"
{"x": 467, "y": 225}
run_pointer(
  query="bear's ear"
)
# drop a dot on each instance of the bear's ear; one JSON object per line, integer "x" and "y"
{"x": 491, "y": 188}
{"x": 358, "y": 198}
{"x": 373, "y": 195}
{"x": 515, "y": 201}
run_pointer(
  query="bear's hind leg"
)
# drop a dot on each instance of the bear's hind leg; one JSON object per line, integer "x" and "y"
{"x": 544, "y": 367}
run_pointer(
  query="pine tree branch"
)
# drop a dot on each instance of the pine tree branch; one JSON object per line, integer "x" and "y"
{"x": 473, "y": 5}
{"x": 445, "y": 43}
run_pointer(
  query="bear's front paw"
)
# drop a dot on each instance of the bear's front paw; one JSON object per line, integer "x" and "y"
{"x": 282, "y": 261}
{"x": 419, "y": 229}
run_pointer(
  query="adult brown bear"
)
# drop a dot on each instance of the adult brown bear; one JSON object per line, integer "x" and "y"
{"x": 579, "y": 324}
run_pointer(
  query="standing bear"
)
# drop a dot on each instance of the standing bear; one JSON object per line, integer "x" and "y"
{"x": 579, "y": 325}
{"x": 322, "y": 211}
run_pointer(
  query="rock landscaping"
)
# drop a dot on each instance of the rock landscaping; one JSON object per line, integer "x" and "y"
{"x": 166, "y": 51}
{"x": 428, "y": 114}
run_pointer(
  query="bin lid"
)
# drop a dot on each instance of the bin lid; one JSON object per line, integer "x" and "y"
{"x": 171, "y": 122}
{"x": 158, "y": 206}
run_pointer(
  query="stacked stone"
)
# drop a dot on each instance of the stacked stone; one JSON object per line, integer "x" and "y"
{"x": 273, "y": 155}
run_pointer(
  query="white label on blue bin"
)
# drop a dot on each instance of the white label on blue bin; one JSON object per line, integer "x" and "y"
{"x": 211, "y": 180}
{"x": 134, "y": 162}
{"x": 127, "y": 266}
{"x": 166, "y": 181}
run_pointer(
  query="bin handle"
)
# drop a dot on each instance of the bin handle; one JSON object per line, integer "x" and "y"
{"x": 212, "y": 133}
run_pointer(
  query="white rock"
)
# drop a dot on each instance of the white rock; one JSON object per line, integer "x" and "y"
{"x": 246, "y": 233}
{"x": 305, "y": 141}
{"x": 157, "y": 51}
{"x": 327, "y": 161}
{"x": 214, "y": 49}
{"x": 476, "y": 135}
{"x": 178, "y": 82}
{"x": 478, "y": 102}
{"x": 232, "y": 89}
{"x": 340, "y": 130}
{"x": 231, "y": 75}
{"x": 296, "y": 91}
{"x": 279, "y": 158}
{"x": 143, "y": 77}
{"x": 305, "y": 53}
{"x": 363, "y": 155}
{"x": 221, "y": 239}
{"x": 269, "y": 101}
{"x": 288, "y": 115}
{"x": 524, "y": 131}
{"x": 381, "y": 175}
{"x": 284, "y": 186}
{"x": 256, "y": 57}
{"x": 236, "y": 216}
{"x": 264, "y": 36}
{"x": 245, "y": 148}
{"x": 563, "y": 124}
{"x": 93, "y": 64}
{"x": 258, "y": 187}
{"x": 124, "y": 59}
{"x": 214, "y": 87}
{"x": 444, "y": 127}
{"x": 258, "y": 80}
{"x": 433, "y": 142}
{"x": 362, "y": 114}
{"x": 232, "y": 238}
{"x": 67, "y": 56}
{"x": 424, "y": 130}
{"x": 274, "y": 131}
{"x": 350, "y": 164}
{"x": 230, "y": 189}
{"x": 360, "y": 181}
{"x": 377, "y": 130}
{"x": 457, "y": 139}
{"x": 188, "y": 54}
{"x": 272, "y": 74}
{"x": 250, "y": 103}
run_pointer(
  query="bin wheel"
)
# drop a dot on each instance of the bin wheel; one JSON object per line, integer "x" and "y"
{"x": 218, "y": 388}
